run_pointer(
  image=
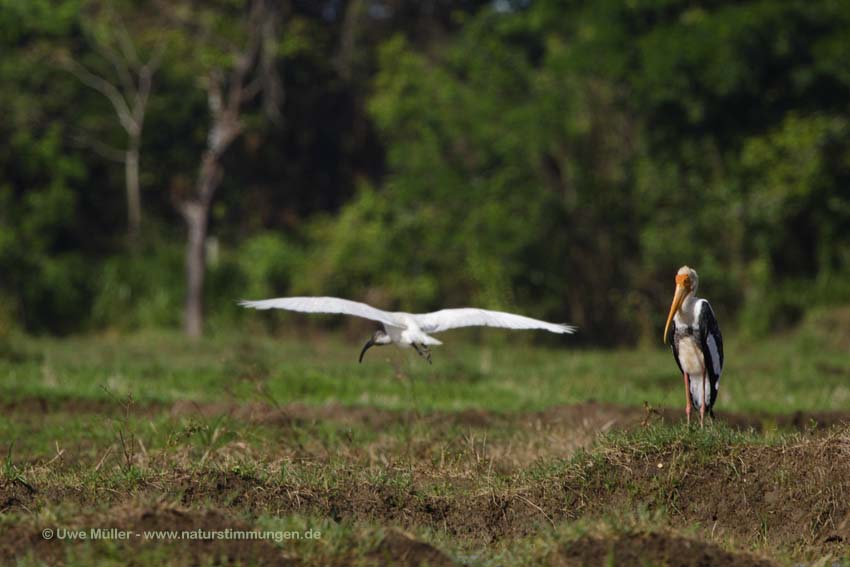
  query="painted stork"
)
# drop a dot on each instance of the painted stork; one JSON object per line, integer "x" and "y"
{"x": 408, "y": 329}
{"x": 697, "y": 344}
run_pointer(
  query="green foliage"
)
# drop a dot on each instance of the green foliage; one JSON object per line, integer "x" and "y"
{"x": 366, "y": 239}
{"x": 572, "y": 174}
{"x": 560, "y": 158}
{"x": 140, "y": 290}
{"x": 47, "y": 279}
{"x": 451, "y": 225}
{"x": 269, "y": 262}
{"x": 146, "y": 289}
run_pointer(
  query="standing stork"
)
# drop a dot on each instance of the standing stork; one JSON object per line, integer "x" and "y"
{"x": 697, "y": 344}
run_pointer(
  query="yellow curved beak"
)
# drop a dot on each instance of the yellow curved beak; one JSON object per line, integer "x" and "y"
{"x": 678, "y": 298}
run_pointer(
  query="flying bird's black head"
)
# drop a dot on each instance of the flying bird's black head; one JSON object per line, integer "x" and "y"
{"x": 380, "y": 337}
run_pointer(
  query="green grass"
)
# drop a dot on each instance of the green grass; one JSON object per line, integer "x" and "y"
{"x": 294, "y": 434}
{"x": 800, "y": 372}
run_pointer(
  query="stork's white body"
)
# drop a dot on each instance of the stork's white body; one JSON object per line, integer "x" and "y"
{"x": 690, "y": 355}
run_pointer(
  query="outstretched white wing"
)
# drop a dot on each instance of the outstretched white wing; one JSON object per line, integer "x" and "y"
{"x": 326, "y": 305}
{"x": 470, "y": 317}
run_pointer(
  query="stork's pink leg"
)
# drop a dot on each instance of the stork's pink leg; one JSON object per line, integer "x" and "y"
{"x": 687, "y": 397}
{"x": 702, "y": 405}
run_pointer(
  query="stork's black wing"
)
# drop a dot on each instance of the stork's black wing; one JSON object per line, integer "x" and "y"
{"x": 674, "y": 344}
{"x": 711, "y": 341}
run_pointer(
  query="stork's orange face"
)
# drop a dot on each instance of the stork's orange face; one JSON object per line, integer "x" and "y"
{"x": 684, "y": 286}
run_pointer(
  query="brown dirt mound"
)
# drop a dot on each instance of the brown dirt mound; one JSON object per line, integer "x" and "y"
{"x": 791, "y": 495}
{"x": 16, "y": 493}
{"x": 401, "y": 549}
{"x": 662, "y": 550}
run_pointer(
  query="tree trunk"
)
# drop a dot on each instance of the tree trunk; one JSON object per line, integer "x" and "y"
{"x": 134, "y": 197}
{"x": 196, "y": 213}
{"x": 351, "y": 27}
{"x": 225, "y": 97}
{"x": 196, "y": 223}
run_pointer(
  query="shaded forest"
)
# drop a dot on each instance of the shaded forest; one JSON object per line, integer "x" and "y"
{"x": 562, "y": 158}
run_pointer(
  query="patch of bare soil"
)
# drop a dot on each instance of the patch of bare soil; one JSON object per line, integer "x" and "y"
{"x": 400, "y": 549}
{"x": 15, "y": 493}
{"x": 301, "y": 415}
{"x": 591, "y": 414}
{"x": 662, "y": 550}
{"x": 38, "y": 406}
{"x": 627, "y": 417}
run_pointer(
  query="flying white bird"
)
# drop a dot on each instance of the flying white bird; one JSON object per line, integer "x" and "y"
{"x": 408, "y": 329}
{"x": 697, "y": 344}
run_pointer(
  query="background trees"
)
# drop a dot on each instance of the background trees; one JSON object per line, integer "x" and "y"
{"x": 124, "y": 60}
{"x": 233, "y": 56}
{"x": 559, "y": 157}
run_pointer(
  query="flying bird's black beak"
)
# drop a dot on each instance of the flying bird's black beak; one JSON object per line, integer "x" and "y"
{"x": 369, "y": 344}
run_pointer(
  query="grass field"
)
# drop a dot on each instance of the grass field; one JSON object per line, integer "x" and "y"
{"x": 494, "y": 455}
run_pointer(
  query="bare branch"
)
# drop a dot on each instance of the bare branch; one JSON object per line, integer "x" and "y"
{"x": 140, "y": 101}
{"x": 260, "y": 52}
{"x": 104, "y": 150}
{"x": 252, "y": 89}
{"x": 214, "y": 94}
{"x": 118, "y": 63}
{"x": 272, "y": 84}
{"x": 355, "y": 13}
{"x": 104, "y": 87}
{"x": 246, "y": 58}
{"x": 104, "y": 48}
{"x": 200, "y": 33}
{"x": 146, "y": 74}
{"x": 126, "y": 43}
{"x": 152, "y": 65}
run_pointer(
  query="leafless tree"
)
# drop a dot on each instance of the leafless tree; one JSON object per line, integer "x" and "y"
{"x": 128, "y": 89}
{"x": 352, "y": 26}
{"x": 228, "y": 90}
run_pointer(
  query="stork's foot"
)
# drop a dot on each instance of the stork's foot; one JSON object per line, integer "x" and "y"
{"x": 701, "y": 417}
{"x": 688, "y": 412}
{"x": 423, "y": 351}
